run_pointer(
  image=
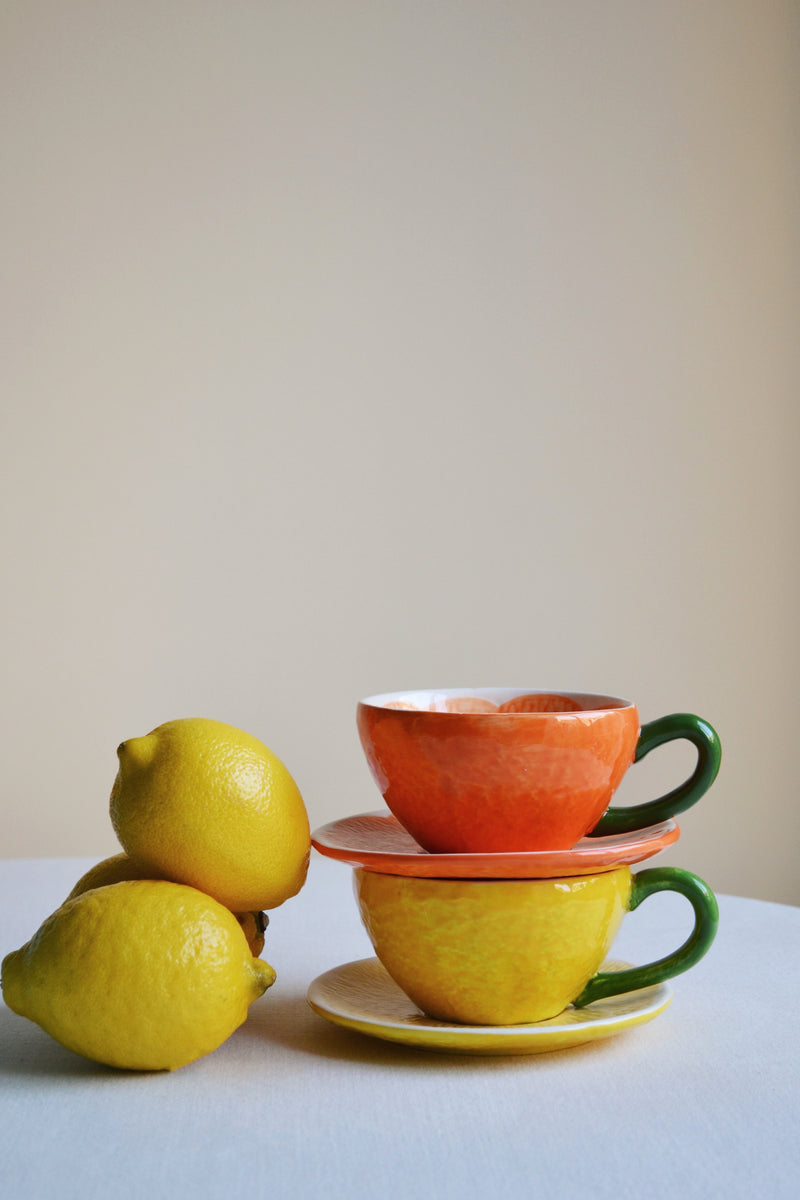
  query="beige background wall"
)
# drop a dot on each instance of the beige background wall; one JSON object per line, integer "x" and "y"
{"x": 352, "y": 347}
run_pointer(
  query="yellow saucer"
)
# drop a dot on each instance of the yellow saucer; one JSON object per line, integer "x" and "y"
{"x": 362, "y": 996}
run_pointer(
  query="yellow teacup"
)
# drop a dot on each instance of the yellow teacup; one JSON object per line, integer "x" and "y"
{"x": 509, "y": 952}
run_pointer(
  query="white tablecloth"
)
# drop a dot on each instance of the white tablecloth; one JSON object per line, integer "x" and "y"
{"x": 701, "y": 1102}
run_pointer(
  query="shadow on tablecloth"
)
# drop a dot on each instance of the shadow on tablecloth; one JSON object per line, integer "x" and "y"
{"x": 289, "y": 1022}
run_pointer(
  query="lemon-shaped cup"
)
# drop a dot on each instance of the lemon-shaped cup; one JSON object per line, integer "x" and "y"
{"x": 509, "y": 952}
{"x": 206, "y": 804}
{"x": 142, "y": 974}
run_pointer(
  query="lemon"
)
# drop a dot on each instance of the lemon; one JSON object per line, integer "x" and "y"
{"x": 205, "y": 804}
{"x": 254, "y": 926}
{"x": 111, "y": 870}
{"x": 121, "y": 866}
{"x": 142, "y": 974}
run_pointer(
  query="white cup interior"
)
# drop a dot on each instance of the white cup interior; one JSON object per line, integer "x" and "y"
{"x": 446, "y": 699}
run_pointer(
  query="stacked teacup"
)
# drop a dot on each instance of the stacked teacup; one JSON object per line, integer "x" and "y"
{"x": 509, "y": 791}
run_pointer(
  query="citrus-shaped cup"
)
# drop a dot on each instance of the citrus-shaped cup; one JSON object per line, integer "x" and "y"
{"x": 504, "y": 770}
{"x": 509, "y": 952}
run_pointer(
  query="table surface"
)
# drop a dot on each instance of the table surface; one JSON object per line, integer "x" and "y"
{"x": 702, "y": 1101}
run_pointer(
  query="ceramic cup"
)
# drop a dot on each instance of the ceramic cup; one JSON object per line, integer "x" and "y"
{"x": 508, "y": 770}
{"x": 509, "y": 952}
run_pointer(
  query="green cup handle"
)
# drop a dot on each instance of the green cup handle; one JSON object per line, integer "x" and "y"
{"x": 667, "y": 729}
{"x": 706, "y": 920}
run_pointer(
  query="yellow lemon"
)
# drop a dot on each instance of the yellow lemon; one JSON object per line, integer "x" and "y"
{"x": 142, "y": 974}
{"x": 111, "y": 870}
{"x": 254, "y": 926}
{"x": 121, "y": 866}
{"x": 203, "y": 803}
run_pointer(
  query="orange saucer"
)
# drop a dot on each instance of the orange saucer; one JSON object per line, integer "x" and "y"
{"x": 378, "y": 842}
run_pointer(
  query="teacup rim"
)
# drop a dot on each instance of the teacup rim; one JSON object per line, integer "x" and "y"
{"x": 452, "y": 882}
{"x": 590, "y": 702}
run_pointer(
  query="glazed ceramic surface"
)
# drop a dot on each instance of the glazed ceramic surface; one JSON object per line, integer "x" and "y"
{"x": 507, "y": 952}
{"x": 492, "y": 770}
{"x": 380, "y": 843}
{"x": 362, "y": 996}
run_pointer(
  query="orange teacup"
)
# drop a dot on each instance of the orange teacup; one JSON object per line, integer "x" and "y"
{"x": 485, "y": 770}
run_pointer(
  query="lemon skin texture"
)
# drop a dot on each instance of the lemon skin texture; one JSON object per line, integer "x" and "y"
{"x": 121, "y": 866}
{"x": 204, "y": 803}
{"x": 492, "y": 952}
{"x": 143, "y": 974}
